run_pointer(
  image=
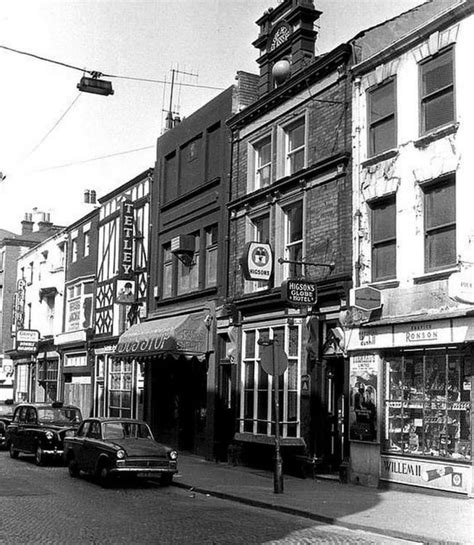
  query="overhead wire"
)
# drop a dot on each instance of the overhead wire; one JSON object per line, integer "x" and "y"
{"x": 96, "y": 73}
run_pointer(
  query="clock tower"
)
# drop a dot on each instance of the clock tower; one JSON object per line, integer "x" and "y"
{"x": 286, "y": 41}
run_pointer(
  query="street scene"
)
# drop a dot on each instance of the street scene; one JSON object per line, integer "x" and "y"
{"x": 236, "y": 271}
{"x": 43, "y": 505}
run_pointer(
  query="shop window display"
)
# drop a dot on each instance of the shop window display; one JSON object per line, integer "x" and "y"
{"x": 427, "y": 405}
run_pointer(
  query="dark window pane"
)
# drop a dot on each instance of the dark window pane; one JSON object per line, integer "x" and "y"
{"x": 295, "y": 222}
{"x": 382, "y": 136}
{"x": 382, "y": 102}
{"x": 439, "y": 111}
{"x": 297, "y": 161}
{"x": 296, "y": 137}
{"x": 437, "y": 73}
{"x": 441, "y": 249}
{"x": 384, "y": 261}
{"x": 384, "y": 220}
{"x": 440, "y": 205}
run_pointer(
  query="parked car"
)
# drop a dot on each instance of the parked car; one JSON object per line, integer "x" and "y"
{"x": 6, "y": 416}
{"x": 113, "y": 447}
{"x": 40, "y": 428}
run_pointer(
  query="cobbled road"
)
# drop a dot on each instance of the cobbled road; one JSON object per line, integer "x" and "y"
{"x": 44, "y": 505}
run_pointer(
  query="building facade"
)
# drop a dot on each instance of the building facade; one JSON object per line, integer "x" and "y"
{"x": 411, "y": 356}
{"x": 73, "y": 343}
{"x": 120, "y": 296}
{"x": 291, "y": 190}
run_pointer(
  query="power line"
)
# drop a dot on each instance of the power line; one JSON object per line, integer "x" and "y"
{"x": 73, "y": 163}
{"x": 96, "y": 74}
{"x": 53, "y": 127}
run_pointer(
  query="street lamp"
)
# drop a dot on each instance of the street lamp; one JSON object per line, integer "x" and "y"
{"x": 95, "y": 85}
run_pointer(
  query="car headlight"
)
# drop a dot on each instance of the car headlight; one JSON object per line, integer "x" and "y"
{"x": 120, "y": 454}
{"x": 49, "y": 435}
{"x": 173, "y": 455}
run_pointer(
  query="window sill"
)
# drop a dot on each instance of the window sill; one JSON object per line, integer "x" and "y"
{"x": 385, "y": 284}
{"x": 435, "y": 275}
{"x": 437, "y": 134}
{"x": 380, "y": 157}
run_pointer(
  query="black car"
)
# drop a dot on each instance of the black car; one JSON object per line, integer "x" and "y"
{"x": 6, "y": 416}
{"x": 114, "y": 447}
{"x": 40, "y": 428}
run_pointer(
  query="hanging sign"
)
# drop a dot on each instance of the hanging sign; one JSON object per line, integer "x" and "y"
{"x": 299, "y": 292}
{"x": 27, "y": 341}
{"x": 257, "y": 261}
{"x": 365, "y": 298}
{"x": 126, "y": 240}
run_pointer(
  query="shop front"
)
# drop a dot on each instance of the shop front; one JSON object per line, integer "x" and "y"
{"x": 175, "y": 354}
{"x": 410, "y": 403}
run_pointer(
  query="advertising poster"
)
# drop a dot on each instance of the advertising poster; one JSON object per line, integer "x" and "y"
{"x": 363, "y": 398}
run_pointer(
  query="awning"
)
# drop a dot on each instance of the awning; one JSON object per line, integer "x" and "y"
{"x": 184, "y": 335}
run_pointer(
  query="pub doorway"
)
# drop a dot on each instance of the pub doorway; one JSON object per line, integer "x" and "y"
{"x": 177, "y": 401}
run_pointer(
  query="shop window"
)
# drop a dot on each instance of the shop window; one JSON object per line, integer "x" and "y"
{"x": 384, "y": 241}
{"x": 257, "y": 407}
{"x": 211, "y": 256}
{"x": 263, "y": 163}
{"x": 295, "y": 139}
{"x": 120, "y": 400}
{"x": 427, "y": 405}
{"x": 437, "y": 91}
{"x": 48, "y": 378}
{"x": 293, "y": 246}
{"x": 381, "y": 118}
{"x": 440, "y": 224}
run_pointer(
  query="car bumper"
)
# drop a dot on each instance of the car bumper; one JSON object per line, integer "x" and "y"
{"x": 53, "y": 452}
{"x": 148, "y": 471}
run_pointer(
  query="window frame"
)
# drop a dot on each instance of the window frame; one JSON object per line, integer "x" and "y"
{"x": 289, "y": 245}
{"x": 372, "y": 125}
{"x": 428, "y": 97}
{"x": 259, "y": 168}
{"x": 428, "y": 233}
{"x": 379, "y": 205}
{"x": 291, "y": 153}
{"x": 212, "y": 247}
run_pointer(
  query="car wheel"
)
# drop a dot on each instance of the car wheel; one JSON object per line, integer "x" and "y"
{"x": 13, "y": 452}
{"x": 166, "y": 479}
{"x": 73, "y": 468}
{"x": 104, "y": 476}
{"x": 39, "y": 456}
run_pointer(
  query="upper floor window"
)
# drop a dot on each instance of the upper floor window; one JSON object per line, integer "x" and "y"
{"x": 384, "y": 241}
{"x": 293, "y": 245}
{"x": 295, "y": 146}
{"x": 263, "y": 162}
{"x": 87, "y": 243}
{"x": 440, "y": 224}
{"x": 31, "y": 269}
{"x": 437, "y": 91}
{"x": 79, "y": 306}
{"x": 211, "y": 256}
{"x": 188, "y": 274}
{"x": 74, "y": 249}
{"x": 167, "y": 282}
{"x": 381, "y": 118}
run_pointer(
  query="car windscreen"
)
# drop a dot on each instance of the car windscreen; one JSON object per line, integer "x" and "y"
{"x": 61, "y": 416}
{"x": 125, "y": 430}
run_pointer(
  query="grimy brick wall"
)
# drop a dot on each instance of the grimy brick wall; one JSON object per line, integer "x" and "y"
{"x": 328, "y": 229}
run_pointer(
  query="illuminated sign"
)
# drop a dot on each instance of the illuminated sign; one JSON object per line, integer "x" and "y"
{"x": 27, "y": 340}
{"x": 257, "y": 261}
{"x": 126, "y": 240}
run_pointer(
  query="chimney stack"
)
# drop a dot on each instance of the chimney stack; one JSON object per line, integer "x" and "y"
{"x": 27, "y": 224}
{"x": 87, "y": 194}
{"x": 45, "y": 224}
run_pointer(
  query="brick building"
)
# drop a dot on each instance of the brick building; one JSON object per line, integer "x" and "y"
{"x": 291, "y": 189}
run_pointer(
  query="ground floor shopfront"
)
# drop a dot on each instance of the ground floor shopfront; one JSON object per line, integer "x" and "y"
{"x": 311, "y": 387}
{"x": 173, "y": 357}
{"x": 411, "y": 403}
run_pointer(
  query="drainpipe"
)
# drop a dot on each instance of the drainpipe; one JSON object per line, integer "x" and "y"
{"x": 356, "y": 200}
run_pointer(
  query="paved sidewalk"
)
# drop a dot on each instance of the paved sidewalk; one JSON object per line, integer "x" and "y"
{"x": 423, "y": 516}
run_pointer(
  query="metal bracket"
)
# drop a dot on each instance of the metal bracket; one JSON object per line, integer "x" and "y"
{"x": 331, "y": 266}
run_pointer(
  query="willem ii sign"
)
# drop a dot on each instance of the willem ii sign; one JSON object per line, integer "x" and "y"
{"x": 126, "y": 240}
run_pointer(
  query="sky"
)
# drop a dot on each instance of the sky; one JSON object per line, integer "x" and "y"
{"x": 56, "y": 142}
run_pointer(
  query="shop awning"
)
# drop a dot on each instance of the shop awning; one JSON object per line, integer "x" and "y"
{"x": 185, "y": 335}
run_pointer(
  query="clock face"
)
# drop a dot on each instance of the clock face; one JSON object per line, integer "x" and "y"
{"x": 281, "y": 35}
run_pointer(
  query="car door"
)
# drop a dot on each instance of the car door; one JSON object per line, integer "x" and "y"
{"x": 91, "y": 446}
{"x": 14, "y": 435}
{"x": 77, "y": 443}
{"x": 30, "y": 430}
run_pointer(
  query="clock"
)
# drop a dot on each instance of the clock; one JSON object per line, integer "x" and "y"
{"x": 279, "y": 37}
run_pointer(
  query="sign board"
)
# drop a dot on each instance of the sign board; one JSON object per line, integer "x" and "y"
{"x": 461, "y": 286}
{"x": 27, "y": 340}
{"x": 125, "y": 291}
{"x": 257, "y": 261}
{"x": 299, "y": 292}
{"x": 365, "y": 298}
{"x": 267, "y": 353}
{"x": 126, "y": 239}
